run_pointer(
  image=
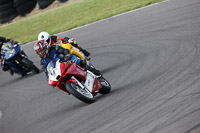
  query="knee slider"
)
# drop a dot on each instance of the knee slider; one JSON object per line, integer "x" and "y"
{"x": 83, "y": 63}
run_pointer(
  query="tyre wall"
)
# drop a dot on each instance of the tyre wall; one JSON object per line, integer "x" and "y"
{"x": 9, "y": 9}
{"x": 24, "y": 7}
{"x": 62, "y": 1}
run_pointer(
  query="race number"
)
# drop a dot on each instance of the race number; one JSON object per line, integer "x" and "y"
{"x": 89, "y": 81}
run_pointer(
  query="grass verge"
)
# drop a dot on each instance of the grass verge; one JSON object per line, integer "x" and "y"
{"x": 67, "y": 16}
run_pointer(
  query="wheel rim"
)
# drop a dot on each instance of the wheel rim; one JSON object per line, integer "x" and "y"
{"x": 105, "y": 83}
{"x": 84, "y": 91}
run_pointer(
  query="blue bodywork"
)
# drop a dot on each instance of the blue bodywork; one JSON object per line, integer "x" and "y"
{"x": 11, "y": 54}
{"x": 53, "y": 55}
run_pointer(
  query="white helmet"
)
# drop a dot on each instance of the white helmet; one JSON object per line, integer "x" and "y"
{"x": 44, "y": 36}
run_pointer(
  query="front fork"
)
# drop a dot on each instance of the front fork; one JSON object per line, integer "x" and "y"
{"x": 20, "y": 57}
{"x": 74, "y": 80}
{"x": 62, "y": 85}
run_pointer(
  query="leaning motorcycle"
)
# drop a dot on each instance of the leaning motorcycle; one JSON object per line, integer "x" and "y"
{"x": 16, "y": 60}
{"x": 75, "y": 80}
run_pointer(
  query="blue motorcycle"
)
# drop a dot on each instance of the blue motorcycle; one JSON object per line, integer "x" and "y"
{"x": 15, "y": 60}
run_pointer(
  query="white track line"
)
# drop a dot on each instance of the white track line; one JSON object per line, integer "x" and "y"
{"x": 0, "y": 115}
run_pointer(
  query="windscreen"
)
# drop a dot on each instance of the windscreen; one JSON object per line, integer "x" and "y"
{"x": 51, "y": 66}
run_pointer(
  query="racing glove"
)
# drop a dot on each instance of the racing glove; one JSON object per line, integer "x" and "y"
{"x": 73, "y": 42}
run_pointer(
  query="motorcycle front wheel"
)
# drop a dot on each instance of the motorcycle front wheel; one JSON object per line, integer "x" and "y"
{"x": 106, "y": 87}
{"x": 30, "y": 65}
{"x": 82, "y": 94}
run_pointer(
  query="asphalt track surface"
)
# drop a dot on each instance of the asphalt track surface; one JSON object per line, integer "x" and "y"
{"x": 151, "y": 58}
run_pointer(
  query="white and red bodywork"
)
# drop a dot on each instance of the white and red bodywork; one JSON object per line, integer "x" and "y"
{"x": 61, "y": 70}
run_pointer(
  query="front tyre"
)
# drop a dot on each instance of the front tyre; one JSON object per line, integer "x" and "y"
{"x": 82, "y": 94}
{"x": 29, "y": 64}
{"x": 106, "y": 87}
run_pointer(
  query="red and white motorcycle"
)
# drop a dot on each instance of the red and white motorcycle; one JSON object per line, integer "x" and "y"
{"x": 76, "y": 80}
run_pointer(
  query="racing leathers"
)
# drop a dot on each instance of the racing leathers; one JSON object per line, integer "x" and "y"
{"x": 58, "y": 52}
{"x": 55, "y": 39}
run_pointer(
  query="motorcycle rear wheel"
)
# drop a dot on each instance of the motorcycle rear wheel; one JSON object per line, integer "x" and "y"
{"x": 82, "y": 94}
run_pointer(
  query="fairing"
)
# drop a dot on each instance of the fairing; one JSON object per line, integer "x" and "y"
{"x": 58, "y": 71}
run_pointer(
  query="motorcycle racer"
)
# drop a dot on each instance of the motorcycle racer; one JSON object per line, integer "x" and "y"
{"x": 51, "y": 40}
{"x": 48, "y": 53}
{"x": 3, "y": 64}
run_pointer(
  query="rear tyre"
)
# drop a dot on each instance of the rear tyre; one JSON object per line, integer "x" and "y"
{"x": 106, "y": 87}
{"x": 30, "y": 65}
{"x": 82, "y": 94}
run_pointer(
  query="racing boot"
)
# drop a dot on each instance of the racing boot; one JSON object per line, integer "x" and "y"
{"x": 94, "y": 70}
{"x": 11, "y": 73}
{"x": 90, "y": 68}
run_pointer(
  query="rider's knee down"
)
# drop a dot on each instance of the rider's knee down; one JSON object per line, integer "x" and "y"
{"x": 83, "y": 63}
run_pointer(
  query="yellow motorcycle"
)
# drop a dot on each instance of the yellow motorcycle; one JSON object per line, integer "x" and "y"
{"x": 75, "y": 51}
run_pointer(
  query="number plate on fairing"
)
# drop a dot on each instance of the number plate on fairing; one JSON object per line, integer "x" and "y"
{"x": 89, "y": 81}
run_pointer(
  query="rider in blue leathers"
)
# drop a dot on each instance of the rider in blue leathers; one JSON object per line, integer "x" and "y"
{"x": 53, "y": 54}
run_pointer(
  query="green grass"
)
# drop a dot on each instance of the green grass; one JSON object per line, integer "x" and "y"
{"x": 67, "y": 16}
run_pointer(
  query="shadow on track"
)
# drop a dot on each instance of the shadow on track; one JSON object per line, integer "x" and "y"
{"x": 9, "y": 82}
